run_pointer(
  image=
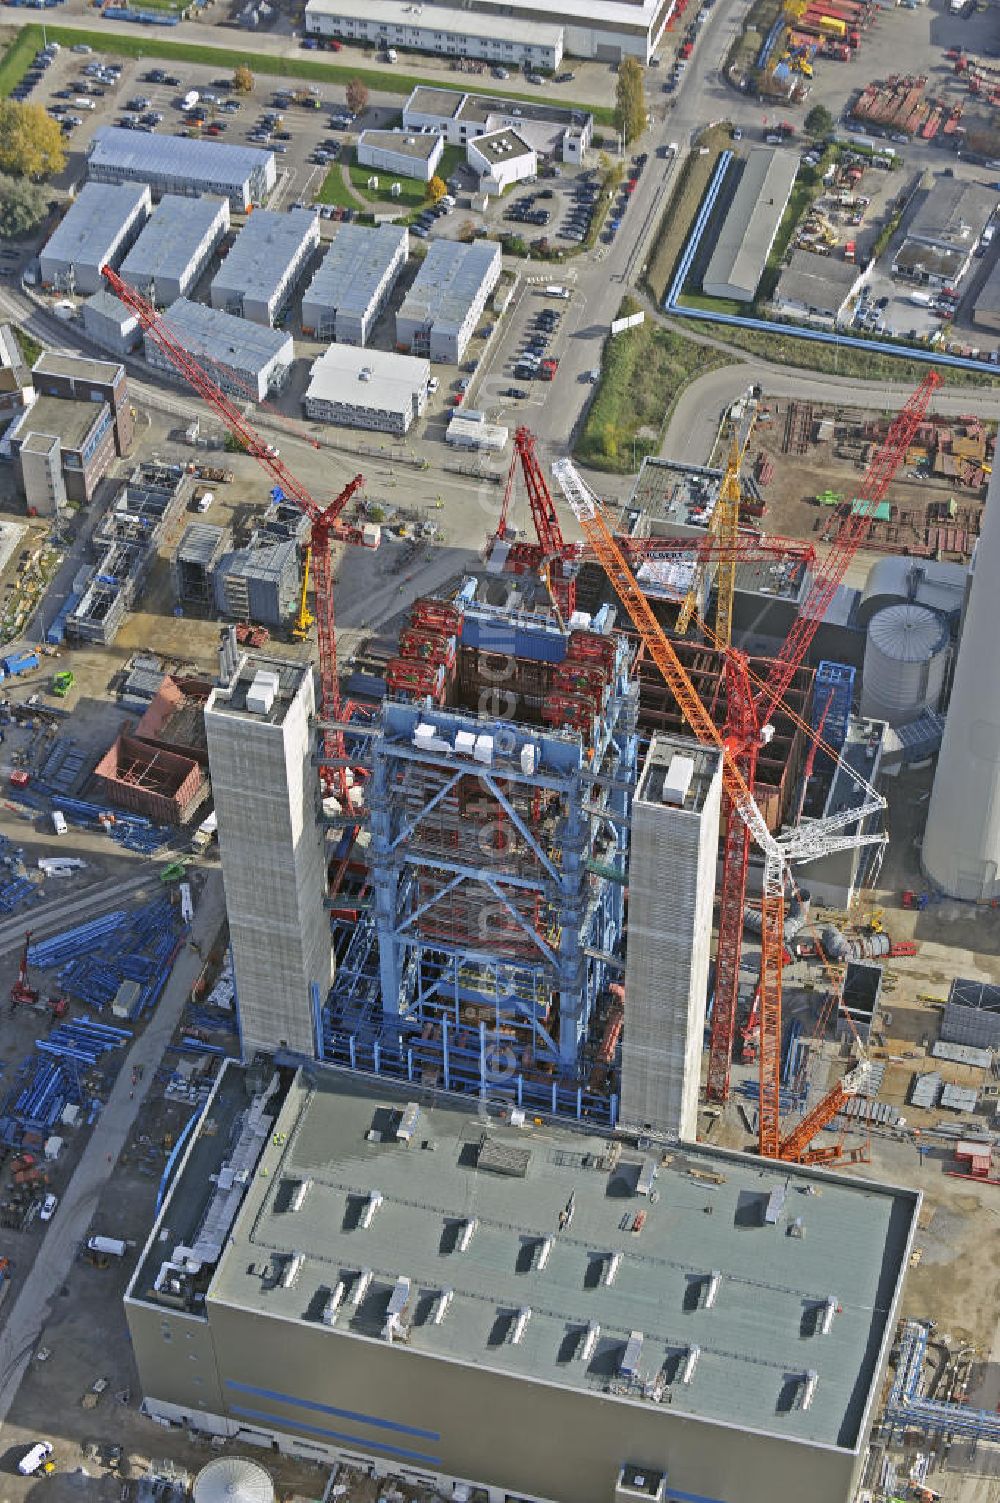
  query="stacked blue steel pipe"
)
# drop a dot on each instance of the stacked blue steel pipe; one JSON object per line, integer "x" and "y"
{"x": 93, "y": 959}
{"x": 132, "y": 831}
{"x": 45, "y": 1087}
{"x": 82, "y": 1040}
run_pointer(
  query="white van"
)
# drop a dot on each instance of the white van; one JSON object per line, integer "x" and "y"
{"x": 59, "y": 822}
{"x": 84, "y": 104}
{"x": 556, "y": 291}
{"x": 205, "y": 501}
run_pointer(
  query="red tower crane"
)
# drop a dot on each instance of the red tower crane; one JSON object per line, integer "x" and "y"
{"x": 326, "y": 528}
{"x": 747, "y": 716}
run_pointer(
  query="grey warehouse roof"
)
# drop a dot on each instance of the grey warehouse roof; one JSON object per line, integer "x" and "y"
{"x": 213, "y": 161}
{"x": 817, "y": 282}
{"x": 172, "y": 238}
{"x": 953, "y": 213}
{"x": 108, "y": 306}
{"x": 352, "y": 270}
{"x": 83, "y": 367}
{"x": 474, "y": 1216}
{"x": 265, "y": 247}
{"x": 420, "y": 147}
{"x": 442, "y": 18}
{"x": 752, "y": 219}
{"x": 217, "y": 335}
{"x": 93, "y": 219}
{"x": 447, "y": 283}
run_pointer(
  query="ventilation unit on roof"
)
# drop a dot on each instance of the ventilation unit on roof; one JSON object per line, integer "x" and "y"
{"x": 690, "y": 1363}
{"x": 519, "y": 1324}
{"x": 397, "y": 1304}
{"x": 807, "y": 1389}
{"x": 466, "y": 1234}
{"x": 629, "y": 1367}
{"x": 647, "y": 1178}
{"x": 362, "y": 1286}
{"x": 298, "y": 1197}
{"x": 333, "y": 1304}
{"x": 292, "y": 1269}
{"x": 541, "y": 1252}
{"x": 710, "y": 1287}
{"x": 440, "y": 1307}
{"x": 408, "y": 1122}
{"x": 828, "y": 1310}
{"x": 613, "y": 1265}
{"x": 371, "y": 1205}
{"x": 588, "y": 1341}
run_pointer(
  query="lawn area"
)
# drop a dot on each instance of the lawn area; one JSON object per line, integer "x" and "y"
{"x": 144, "y": 44}
{"x": 643, "y": 372}
{"x": 412, "y": 192}
{"x": 713, "y": 304}
{"x": 681, "y": 208}
{"x": 17, "y": 59}
{"x": 335, "y": 190}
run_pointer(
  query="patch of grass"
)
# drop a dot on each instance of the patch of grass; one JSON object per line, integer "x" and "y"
{"x": 643, "y": 372}
{"x": 30, "y": 348}
{"x": 18, "y": 57}
{"x": 412, "y": 193}
{"x": 109, "y": 42}
{"x": 335, "y": 190}
{"x": 838, "y": 360}
{"x": 681, "y": 208}
{"x": 713, "y": 304}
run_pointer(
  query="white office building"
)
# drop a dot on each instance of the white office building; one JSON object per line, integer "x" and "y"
{"x": 367, "y": 389}
{"x": 175, "y": 247}
{"x": 271, "y": 253}
{"x": 353, "y": 282}
{"x": 500, "y": 160}
{"x": 97, "y": 229}
{"x": 179, "y": 164}
{"x": 440, "y": 312}
{"x": 552, "y": 130}
{"x": 401, "y": 153}
{"x": 244, "y": 358}
{"x": 442, "y": 29}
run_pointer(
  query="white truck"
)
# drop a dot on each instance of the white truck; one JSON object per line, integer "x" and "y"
{"x": 59, "y": 822}
{"x": 190, "y": 99}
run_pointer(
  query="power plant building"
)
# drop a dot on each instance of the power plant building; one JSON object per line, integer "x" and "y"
{"x": 246, "y": 359}
{"x": 175, "y": 247}
{"x": 258, "y": 725}
{"x": 97, "y": 230}
{"x": 316, "y": 1280}
{"x": 353, "y": 282}
{"x": 674, "y": 851}
{"x": 171, "y": 164}
{"x": 961, "y": 845}
{"x": 271, "y": 253}
{"x": 439, "y": 315}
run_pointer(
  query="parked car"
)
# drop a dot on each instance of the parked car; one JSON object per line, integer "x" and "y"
{"x": 49, "y": 1205}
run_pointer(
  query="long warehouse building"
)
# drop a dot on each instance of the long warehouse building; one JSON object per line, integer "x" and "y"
{"x": 750, "y": 225}
{"x": 175, "y": 247}
{"x": 272, "y": 251}
{"x": 173, "y": 164}
{"x": 440, "y": 312}
{"x": 353, "y": 282}
{"x": 246, "y": 359}
{"x": 486, "y": 1315}
{"x": 97, "y": 229}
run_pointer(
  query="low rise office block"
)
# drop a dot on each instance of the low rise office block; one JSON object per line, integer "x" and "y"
{"x": 353, "y": 282}
{"x": 97, "y": 229}
{"x": 175, "y": 247}
{"x": 271, "y": 253}
{"x": 442, "y": 309}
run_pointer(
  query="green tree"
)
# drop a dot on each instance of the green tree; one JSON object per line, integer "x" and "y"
{"x": 31, "y": 143}
{"x": 243, "y": 79}
{"x": 436, "y": 189}
{"x": 357, "y": 95}
{"x": 630, "y": 100}
{"x": 818, "y": 122}
{"x": 23, "y": 204}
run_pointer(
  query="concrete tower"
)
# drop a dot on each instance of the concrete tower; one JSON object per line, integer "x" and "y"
{"x": 259, "y": 727}
{"x": 961, "y": 849}
{"x": 671, "y": 882}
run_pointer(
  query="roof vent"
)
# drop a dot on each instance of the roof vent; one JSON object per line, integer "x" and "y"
{"x": 333, "y": 1304}
{"x": 690, "y": 1363}
{"x": 807, "y": 1389}
{"x": 711, "y": 1285}
{"x": 371, "y": 1205}
{"x": 440, "y": 1307}
{"x": 262, "y": 692}
{"x": 298, "y": 1197}
{"x": 397, "y": 1304}
{"x": 824, "y": 1322}
{"x": 541, "y": 1253}
{"x": 588, "y": 1341}
{"x": 466, "y": 1233}
{"x": 292, "y": 1269}
{"x": 408, "y": 1122}
{"x": 362, "y": 1286}
{"x": 647, "y": 1178}
{"x": 613, "y": 1265}
{"x": 519, "y": 1325}
{"x": 629, "y": 1367}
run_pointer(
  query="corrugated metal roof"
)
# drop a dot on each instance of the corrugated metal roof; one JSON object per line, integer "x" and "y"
{"x": 105, "y": 305}
{"x": 353, "y": 268}
{"x": 217, "y": 335}
{"x": 93, "y": 220}
{"x": 908, "y": 633}
{"x": 265, "y": 248}
{"x": 447, "y": 283}
{"x": 172, "y": 238}
{"x": 752, "y": 220}
{"x": 214, "y": 162}
{"x": 199, "y": 543}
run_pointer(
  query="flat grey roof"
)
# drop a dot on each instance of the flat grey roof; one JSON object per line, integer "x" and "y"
{"x": 681, "y": 498}
{"x": 512, "y": 1189}
{"x": 234, "y": 702}
{"x": 419, "y": 147}
{"x": 93, "y": 220}
{"x": 953, "y": 213}
{"x": 752, "y": 219}
{"x": 447, "y": 283}
{"x": 212, "y": 162}
{"x": 389, "y": 384}
{"x": 217, "y": 335}
{"x": 430, "y": 101}
{"x": 172, "y": 238}
{"x": 265, "y": 248}
{"x": 501, "y": 145}
{"x": 818, "y": 282}
{"x": 441, "y": 18}
{"x": 453, "y": 104}
{"x": 108, "y": 306}
{"x": 660, "y": 755}
{"x": 82, "y": 367}
{"x": 353, "y": 269}
{"x": 68, "y": 420}
{"x": 988, "y": 300}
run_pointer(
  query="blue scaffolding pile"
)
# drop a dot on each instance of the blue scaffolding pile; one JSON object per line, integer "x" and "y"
{"x": 33, "y": 1106}
{"x": 833, "y": 693}
{"x": 496, "y": 864}
{"x": 93, "y": 959}
{"x": 82, "y": 1040}
{"x": 132, "y": 831}
{"x": 908, "y": 1409}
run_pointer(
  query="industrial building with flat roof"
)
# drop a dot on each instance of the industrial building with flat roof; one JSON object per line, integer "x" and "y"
{"x": 271, "y": 253}
{"x": 401, "y": 153}
{"x": 110, "y": 324}
{"x": 443, "y": 29}
{"x": 317, "y": 1280}
{"x": 172, "y": 164}
{"x": 552, "y": 130}
{"x": 500, "y": 160}
{"x": 367, "y": 389}
{"x": 243, "y": 357}
{"x": 175, "y": 246}
{"x": 750, "y": 224}
{"x": 84, "y": 379}
{"x": 61, "y": 451}
{"x": 441, "y": 310}
{"x": 817, "y": 288}
{"x": 353, "y": 282}
{"x": 942, "y": 236}
{"x": 986, "y": 308}
{"x": 97, "y": 229}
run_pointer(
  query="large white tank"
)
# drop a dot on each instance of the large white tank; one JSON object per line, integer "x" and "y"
{"x": 233, "y": 1479}
{"x": 906, "y": 654}
{"x": 961, "y": 847}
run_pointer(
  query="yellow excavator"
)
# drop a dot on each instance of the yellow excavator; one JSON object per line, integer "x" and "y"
{"x": 304, "y": 619}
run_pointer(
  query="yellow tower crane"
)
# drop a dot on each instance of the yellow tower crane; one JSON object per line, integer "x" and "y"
{"x": 304, "y": 619}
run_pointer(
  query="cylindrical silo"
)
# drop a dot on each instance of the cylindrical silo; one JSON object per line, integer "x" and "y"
{"x": 906, "y": 654}
{"x": 961, "y": 847}
{"x": 233, "y": 1479}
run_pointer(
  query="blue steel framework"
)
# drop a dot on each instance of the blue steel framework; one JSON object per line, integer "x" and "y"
{"x": 907, "y": 1409}
{"x": 495, "y": 865}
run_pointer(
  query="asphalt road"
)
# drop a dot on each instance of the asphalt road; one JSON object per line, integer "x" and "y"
{"x": 25, "y": 1317}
